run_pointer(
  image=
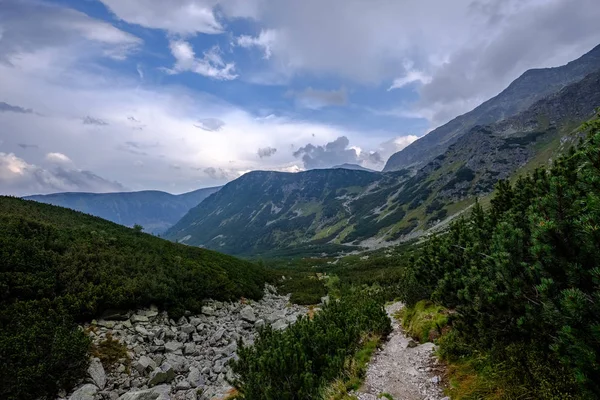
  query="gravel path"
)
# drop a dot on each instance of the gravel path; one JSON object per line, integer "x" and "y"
{"x": 403, "y": 372}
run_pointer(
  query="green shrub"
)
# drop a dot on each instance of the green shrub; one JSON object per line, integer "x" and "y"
{"x": 524, "y": 278}
{"x": 41, "y": 350}
{"x": 59, "y": 266}
{"x": 299, "y": 362}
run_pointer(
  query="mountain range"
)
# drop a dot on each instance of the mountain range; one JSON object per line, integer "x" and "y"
{"x": 156, "y": 211}
{"x": 530, "y": 87}
{"x": 429, "y": 182}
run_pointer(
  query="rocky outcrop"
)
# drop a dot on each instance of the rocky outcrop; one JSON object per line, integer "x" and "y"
{"x": 184, "y": 359}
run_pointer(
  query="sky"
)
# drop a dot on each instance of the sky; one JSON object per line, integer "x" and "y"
{"x": 120, "y": 95}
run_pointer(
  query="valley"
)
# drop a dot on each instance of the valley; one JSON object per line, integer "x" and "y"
{"x": 328, "y": 253}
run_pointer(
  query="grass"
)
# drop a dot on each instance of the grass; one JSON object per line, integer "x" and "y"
{"x": 424, "y": 321}
{"x": 355, "y": 372}
{"x": 111, "y": 352}
{"x": 471, "y": 379}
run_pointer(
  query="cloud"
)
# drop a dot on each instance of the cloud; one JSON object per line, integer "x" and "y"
{"x": 18, "y": 177}
{"x": 263, "y": 41}
{"x": 521, "y": 35}
{"x": 210, "y": 65}
{"x": 315, "y": 99}
{"x": 30, "y": 26}
{"x": 176, "y": 16}
{"x": 16, "y": 109}
{"x": 210, "y": 124}
{"x": 58, "y": 158}
{"x": 392, "y": 146}
{"x": 333, "y": 153}
{"x": 94, "y": 121}
{"x": 411, "y": 75}
{"x": 266, "y": 152}
{"x": 219, "y": 174}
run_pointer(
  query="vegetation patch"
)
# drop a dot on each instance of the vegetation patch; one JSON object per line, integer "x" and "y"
{"x": 59, "y": 267}
{"x": 524, "y": 279}
{"x": 424, "y": 321}
{"x": 111, "y": 352}
{"x": 301, "y": 361}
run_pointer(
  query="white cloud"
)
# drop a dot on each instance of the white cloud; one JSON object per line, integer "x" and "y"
{"x": 411, "y": 76}
{"x": 176, "y": 16}
{"x": 210, "y": 65}
{"x": 31, "y": 27}
{"x": 18, "y": 177}
{"x": 263, "y": 41}
{"x": 58, "y": 158}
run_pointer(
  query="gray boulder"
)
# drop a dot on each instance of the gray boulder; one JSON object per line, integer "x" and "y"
{"x": 247, "y": 314}
{"x": 187, "y": 328}
{"x": 164, "y": 374}
{"x": 195, "y": 378}
{"x": 173, "y": 346}
{"x": 86, "y": 392}
{"x": 144, "y": 364}
{"x": 208, "y": 310}
{"x": 279, "y": 325}
{"x": 96, "y": 372}
{"x": 160, "y": 392}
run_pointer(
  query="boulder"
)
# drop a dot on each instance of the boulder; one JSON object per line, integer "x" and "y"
{"x": 164, "y": 374}
{"x": 172, "y": 347}
{"x": 259, "y": 324}
{"x": 279, "y": 325}
{"x": 115, "y": 315}
{"x": 160, "y": 392}
{"x": 86, "y": 392}
{"x": 144, "y": 364}
{"x": 208, "y": 310}
{"x": 136, "y": 318}
{"x": 247, "y": 314}
{"x": 217, "y": 336}
{"x": 188, "y": 328}
{"x": 142, "y": 331}
{"x": 195, "y": 378}
{"x": 96, "y": 372}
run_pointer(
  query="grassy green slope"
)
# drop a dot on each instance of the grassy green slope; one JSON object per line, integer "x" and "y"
{"x": 58, "y": 266}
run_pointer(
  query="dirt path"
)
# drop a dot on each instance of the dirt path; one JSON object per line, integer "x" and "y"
{"x": 403, "y": 372}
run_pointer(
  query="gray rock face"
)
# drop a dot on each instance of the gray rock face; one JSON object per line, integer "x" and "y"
{"x": 174, "y": 359}
{"x": 96, "y": 372}
{"x": 86, "y": 392}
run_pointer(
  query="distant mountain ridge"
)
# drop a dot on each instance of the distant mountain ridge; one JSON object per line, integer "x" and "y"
{"x": 332, "y": 209}
{"x": 530, "y": 87}
{"x": 156, "y": 211}
{"x": 354, "y": 167}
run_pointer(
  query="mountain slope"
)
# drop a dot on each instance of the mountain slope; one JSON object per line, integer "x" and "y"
{"x": 353, "y": 166}
{"x": 58, "y": 266}
{"x": 156, "y": 211}
{"x": 263, "y": 211}
{"x": 530, "y": 87}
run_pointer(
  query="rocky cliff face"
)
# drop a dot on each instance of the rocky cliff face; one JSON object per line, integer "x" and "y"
{"x": 530, "y": 87}
{"x": 185, "y": 359}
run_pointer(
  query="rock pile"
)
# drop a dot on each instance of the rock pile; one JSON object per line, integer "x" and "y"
{"x": 185, "y": 359}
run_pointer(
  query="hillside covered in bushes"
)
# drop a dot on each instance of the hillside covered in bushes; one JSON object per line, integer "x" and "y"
{"x": 58, "y": 267}
{"x": 523, "y": 281}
